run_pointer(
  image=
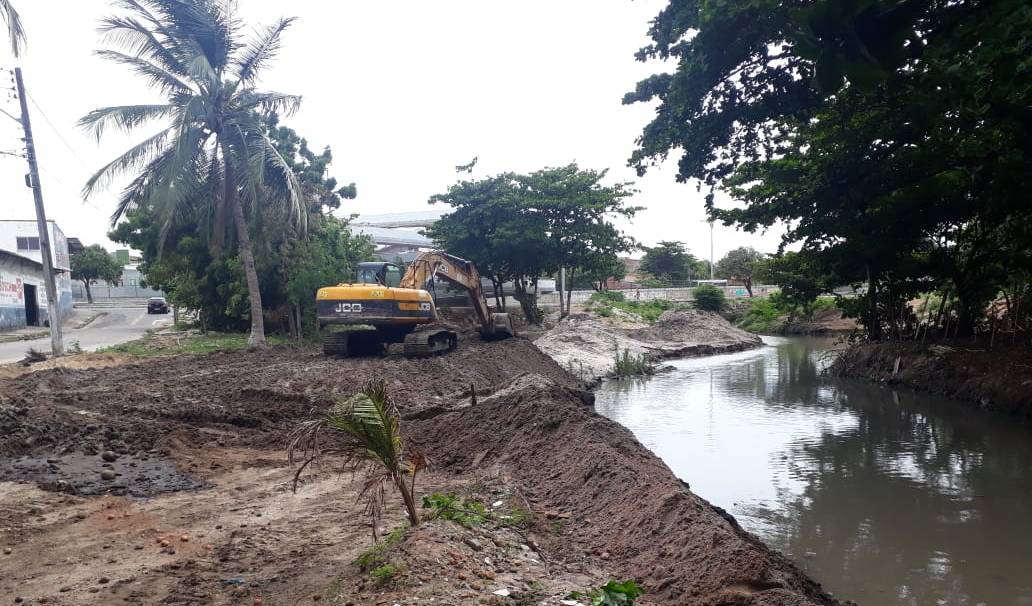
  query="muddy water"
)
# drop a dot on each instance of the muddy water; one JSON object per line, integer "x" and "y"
{"x": 885, "y": 497}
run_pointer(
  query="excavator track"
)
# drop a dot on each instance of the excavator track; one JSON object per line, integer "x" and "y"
{"x": 430, "y": 342}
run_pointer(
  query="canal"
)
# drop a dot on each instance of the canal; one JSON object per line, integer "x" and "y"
{"x": 884, "y": 496}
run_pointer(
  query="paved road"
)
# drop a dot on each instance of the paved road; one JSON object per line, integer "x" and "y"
{"x": 118, "y": 326}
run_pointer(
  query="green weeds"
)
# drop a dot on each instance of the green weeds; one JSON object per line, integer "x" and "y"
{"x": 450, "y": 507}
{"x": 627, "y": 365}
{"x": 612, "y": 593}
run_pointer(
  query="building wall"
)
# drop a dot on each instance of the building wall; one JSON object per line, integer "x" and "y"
{"x": 14, "y": 275}
{"x": 10, "y": 231}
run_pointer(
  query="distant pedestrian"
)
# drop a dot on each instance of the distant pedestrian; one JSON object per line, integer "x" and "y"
{"x": 637, "y": 295}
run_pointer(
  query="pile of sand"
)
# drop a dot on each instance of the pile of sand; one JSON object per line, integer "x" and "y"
{"x": 587, "y": 345}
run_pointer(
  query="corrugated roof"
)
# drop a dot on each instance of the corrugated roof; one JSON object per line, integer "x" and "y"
{"x": 389, "y": 236}
{"x": 421, "y": 218}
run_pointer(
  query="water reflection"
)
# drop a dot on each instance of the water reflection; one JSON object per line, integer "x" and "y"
{"x": 885, "y": 497}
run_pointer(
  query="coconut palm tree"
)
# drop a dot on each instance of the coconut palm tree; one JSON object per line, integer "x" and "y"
{"x": 14, "y": 26}
{"x": 368, "y": 432}
{"x": 211, "y": 161}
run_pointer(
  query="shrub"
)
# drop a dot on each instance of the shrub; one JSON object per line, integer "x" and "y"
{"x": 627, "y": 365}
{"x": 607, "y": 296}
{"x": 604, "y": 311}
{"x": 385, "y": 575}
{"x": 709, "y": 298}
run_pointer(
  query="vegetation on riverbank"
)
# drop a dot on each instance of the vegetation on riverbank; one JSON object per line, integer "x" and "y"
{"x": 776, "y": 313}
{"x": 604, "y": 302}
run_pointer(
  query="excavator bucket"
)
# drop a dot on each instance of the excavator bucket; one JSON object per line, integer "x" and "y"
{"x": 500, "y": 328}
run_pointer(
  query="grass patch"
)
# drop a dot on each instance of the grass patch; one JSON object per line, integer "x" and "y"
{"x": 376, "y": 556}
{"x": 627, "y": 365}
{"x": 606, "y": 301}
{"x": 770, "y": 315}
{"x": 385, "y": 575}
{"x": 156, "y": 344}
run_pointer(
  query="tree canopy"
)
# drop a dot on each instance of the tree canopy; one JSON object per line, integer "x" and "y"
{"x": 670, "y": 263}
{"x": 94, "y": 263}
{"x": 741, "y": 264}
{"x": 519, "y": 227}
{"x": 890, "y": 138}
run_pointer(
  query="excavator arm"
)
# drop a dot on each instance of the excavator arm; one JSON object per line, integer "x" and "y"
{"x": 462, "y": 273}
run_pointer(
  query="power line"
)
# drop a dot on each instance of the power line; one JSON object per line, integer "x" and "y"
{"x": 57, "y": 132}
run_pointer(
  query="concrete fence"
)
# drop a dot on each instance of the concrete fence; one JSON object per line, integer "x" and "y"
{"x": 680, "y": 294}
{"x": 106, "y": 291}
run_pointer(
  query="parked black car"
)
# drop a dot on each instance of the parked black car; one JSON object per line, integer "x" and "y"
{"x": 157, "y": 305}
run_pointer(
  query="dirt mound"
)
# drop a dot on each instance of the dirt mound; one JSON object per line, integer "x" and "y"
{"x": 587, "y": 345}
{"x": 824, "y": 322}
{"x": 225, "y": 399}
{"x": 999, "y": 380}
{"x": 611, "y": 498}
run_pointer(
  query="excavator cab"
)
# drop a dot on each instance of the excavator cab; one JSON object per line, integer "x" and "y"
{"x": 384, "y": 274}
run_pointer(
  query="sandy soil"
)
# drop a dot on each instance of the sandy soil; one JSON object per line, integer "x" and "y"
{"x": 591, "y": 502}
{"x": 824, "y": 322}
{"x": 586, "y": 344}
{"x": 998, "y": 380}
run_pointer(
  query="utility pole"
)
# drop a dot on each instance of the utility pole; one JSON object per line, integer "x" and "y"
{"x": 54, "y": 314}
{"x": 711, "y": 249}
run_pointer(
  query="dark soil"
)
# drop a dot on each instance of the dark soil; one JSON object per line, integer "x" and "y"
{"x": 609, "y": 497}
{"x": 602, "y": 506}
{"x": 999, "y": 380}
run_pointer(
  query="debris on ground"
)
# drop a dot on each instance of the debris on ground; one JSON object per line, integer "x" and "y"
{"x": 586, "y": 345}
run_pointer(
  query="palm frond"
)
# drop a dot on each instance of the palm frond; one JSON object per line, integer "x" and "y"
{"x": 132, "y": 159}
{"x": 259, "y": 50}
{"x": 156, "y": 75}
{"x": 123, "y": 117}
{"x": 15, "y": 30}
{"x": 134, "y": 37}
{"x": 267, "y": 103}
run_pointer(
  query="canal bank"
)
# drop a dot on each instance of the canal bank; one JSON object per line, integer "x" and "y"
{"x": 883, "y": 496}
{"x": 997, "y": 379}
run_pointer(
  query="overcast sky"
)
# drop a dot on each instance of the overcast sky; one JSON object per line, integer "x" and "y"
{"x": 402, "y": 92}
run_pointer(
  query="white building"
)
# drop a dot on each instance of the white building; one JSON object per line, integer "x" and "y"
{"x": 21, "y": 239}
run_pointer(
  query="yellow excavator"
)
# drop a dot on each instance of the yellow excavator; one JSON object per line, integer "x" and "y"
{"x": 397, "y": 307}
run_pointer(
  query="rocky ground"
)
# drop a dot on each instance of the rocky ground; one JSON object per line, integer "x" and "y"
{"x": 586, "y": 344}
{"x": 999, "y": 379}
{"x": 165, "y": 481}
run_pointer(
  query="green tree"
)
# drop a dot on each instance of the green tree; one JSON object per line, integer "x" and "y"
{"x": 671, "y": 263}
{"x": 911, "y": 175}
{"x": 94, "y": 263}
{"x": 740, "y": 264}
{"x": 521, "y": 227}
{"x": 215, "y": 158}
{"x": 15, "y": 31}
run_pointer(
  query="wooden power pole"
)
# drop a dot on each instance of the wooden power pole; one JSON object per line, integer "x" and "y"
{"x": 53, "y": 310}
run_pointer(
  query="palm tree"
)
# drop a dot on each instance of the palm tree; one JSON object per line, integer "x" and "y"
{"x": 368, "y": 424}
{"x": 211, "y": 161}
{"x": 15, "y": 31}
